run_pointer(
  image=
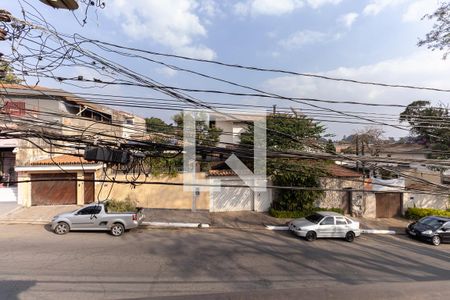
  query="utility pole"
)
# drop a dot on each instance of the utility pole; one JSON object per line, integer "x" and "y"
{"x": 357, "y": 152}
{"x": 274, "y": 110}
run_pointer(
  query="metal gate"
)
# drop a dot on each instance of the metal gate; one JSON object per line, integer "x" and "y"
{"x": 389, "y": 205}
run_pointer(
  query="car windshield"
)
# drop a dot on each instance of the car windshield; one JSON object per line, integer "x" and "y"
{"x": 431, "y": 222}
{"x": 314, "y": 218}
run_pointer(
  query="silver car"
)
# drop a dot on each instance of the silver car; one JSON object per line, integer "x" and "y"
{"x": 96, "y": 217}
{"x": 325, "y": 224}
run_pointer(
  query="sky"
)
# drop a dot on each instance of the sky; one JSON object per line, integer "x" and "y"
{"x": 373, "y": 40}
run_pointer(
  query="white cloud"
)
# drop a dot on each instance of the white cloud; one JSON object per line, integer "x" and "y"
{"x": 172, "y": 23}
{"x": 318, "y": 3}
{"x": 302, "y": 38}
{"x": 276, "y": 7}
{"x": 376, "y": 6}
{"x": 168, "y": 72}
{"x": 267, "y": 7}
{"x": 348, "y": 19}
{"x": 418, "y": 9}
{"x": 423, "y": 68}
{"x": 209, "y": 8}
{"x": 198, "y": 51}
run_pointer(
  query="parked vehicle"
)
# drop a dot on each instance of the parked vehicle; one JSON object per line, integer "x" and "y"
{"x": 325, "y": 224}
{"x": 95, "y": 217}
{"x": 431, "y": 229}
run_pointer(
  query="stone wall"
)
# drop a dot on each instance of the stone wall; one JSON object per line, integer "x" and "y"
{"x": 334, "y": 198}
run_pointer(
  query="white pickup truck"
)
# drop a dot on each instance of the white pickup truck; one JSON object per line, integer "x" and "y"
{"x": 95, "y": 217}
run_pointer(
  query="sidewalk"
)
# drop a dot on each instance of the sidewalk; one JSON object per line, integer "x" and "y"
{"x": 7, "y": 208}
{"x": 237, "y": 220}
{"x": 187, "y": 218}
{"x": 35, "y": 214}
{"x": 397, "y": 225}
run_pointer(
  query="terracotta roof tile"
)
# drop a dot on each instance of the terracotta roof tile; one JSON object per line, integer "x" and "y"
{"x": 339, "y": 171}
{"x": 62, "y": 160}
{"x": 333, "y": 169}
{"x": 226, "y": 172}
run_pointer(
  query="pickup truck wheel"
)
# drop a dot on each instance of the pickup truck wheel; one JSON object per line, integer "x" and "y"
{"x": 350, "y": 236}
{"x": 62, "y": 228}
{"x": 117, "y": 229}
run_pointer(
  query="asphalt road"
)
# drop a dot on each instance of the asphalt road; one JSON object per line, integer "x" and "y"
{"x": 216, "y": 264}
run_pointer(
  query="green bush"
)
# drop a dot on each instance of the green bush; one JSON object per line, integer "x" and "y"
{"x": 284, "y": 214}
{"x": 126, "y": 205}
{"x": 415, "y": 213}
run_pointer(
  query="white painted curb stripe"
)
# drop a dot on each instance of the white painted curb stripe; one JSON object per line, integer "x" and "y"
{"x": 176, "y": 224}
{"x": 378, "y": 231}
{"x": 271, "y": 227}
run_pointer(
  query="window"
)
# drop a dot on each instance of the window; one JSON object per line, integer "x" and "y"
{"x": 96, "y": 209}
{"x": 328, "y": 221}
{"x": 340, "y": 221}
{"x": 314, "y": 218}
{"x": 90, "y": 210}
{"x": 348, "y": 221}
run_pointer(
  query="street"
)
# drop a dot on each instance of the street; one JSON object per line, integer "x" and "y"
{"x": 37, "y": 264}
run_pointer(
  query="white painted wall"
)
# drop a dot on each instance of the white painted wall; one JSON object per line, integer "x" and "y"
{"x": 425, "y": 201}
{"x": 238, "y": 198}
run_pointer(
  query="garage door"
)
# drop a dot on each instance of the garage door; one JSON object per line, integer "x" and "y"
{"x": 232, "y": 199}
{"x": 55, "y": 189}
{"x": 388, "y": 205}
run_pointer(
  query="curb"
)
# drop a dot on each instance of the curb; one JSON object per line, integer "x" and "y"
{"x": 175, "y": 225}
{"x": 378, "y": 231}
{"x": 33, "y": 222}
{"x": 276, "y": 227}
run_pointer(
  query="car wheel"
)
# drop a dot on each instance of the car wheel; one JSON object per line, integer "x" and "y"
{"x": 117, "y": 229}
{"x": 350, "y": 236}
{"x": 436, "y": 240}
{"x": 62, "y": 228}
{"x": 310, "y": 236}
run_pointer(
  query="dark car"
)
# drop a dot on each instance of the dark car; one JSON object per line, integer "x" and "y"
{"x": 431, "y": 229}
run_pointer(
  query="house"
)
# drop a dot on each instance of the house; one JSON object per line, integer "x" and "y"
{"x": 52, "y": 111}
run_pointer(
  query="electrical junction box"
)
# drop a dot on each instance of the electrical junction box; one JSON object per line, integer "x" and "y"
{"x": 106, "y": 155}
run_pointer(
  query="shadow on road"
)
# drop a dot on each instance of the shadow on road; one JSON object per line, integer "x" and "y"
{"x": 10, "y": 289}
{"x": 277, "y": 254}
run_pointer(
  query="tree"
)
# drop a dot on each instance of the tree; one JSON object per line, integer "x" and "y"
{"x": 329, "y": 147}
{"x": 6, "y": 74}
{"x": 439, "y": 37}
{"x": 430, "y": 125}
{"x": 284, "y": 131}
{"x": 205, "y": 135}
{"x": 154, "y": 124}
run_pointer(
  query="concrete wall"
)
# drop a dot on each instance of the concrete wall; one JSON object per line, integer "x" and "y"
{"x": 425, "y": 201}
{"x": 153, "y": 195}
